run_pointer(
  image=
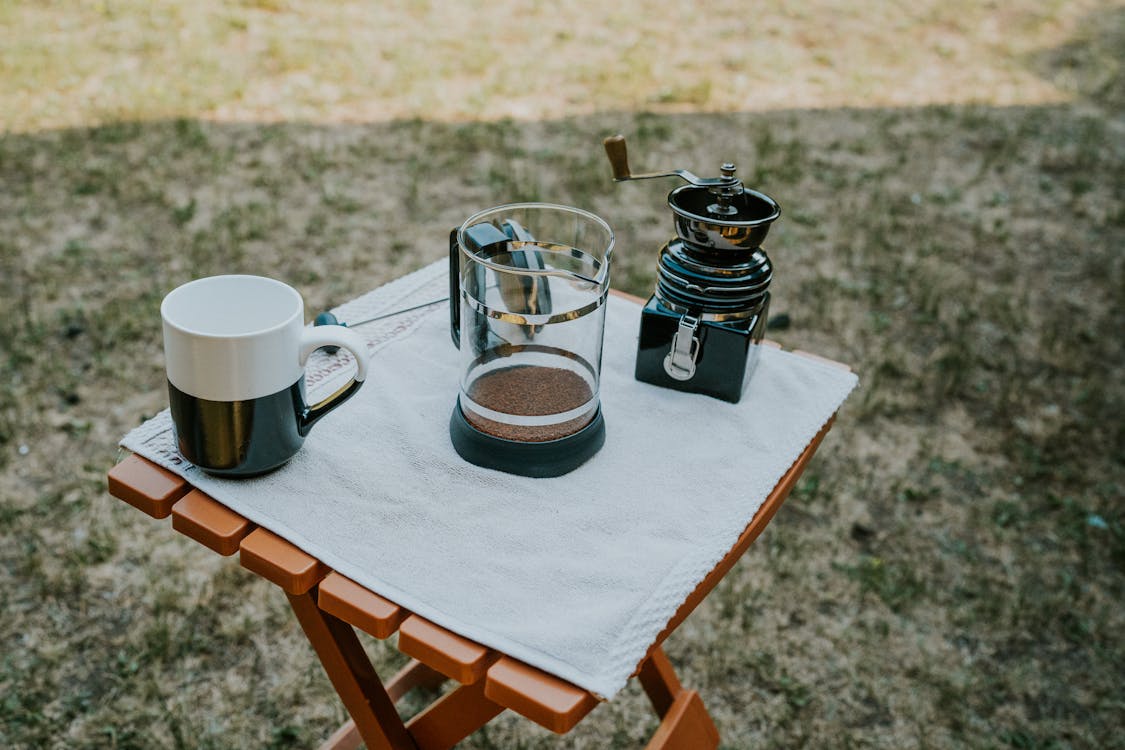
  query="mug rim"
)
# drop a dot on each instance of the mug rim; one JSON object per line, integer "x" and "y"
{"x": 187, "y": 330}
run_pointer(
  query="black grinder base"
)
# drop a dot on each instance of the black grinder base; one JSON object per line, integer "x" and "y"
{"x": 726, "y": 357}
{"x": 550, "y": 458}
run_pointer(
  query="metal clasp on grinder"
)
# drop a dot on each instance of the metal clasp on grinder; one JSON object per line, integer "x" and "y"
{"x": 680, "y": 362}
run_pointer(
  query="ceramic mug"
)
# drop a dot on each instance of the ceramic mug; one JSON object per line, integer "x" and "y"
{"x": 235, "y": 349}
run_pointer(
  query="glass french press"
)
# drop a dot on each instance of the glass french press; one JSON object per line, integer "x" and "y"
{"x": 701, "y": 328}
{"x": 528, "y": 284}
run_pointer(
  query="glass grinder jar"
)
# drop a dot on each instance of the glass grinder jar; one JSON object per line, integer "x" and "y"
{"x": 528, "y": 286}
{"x": 701, "y": 329}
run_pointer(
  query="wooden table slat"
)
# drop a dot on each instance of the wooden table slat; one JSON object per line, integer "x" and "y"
{"x": 359, "y": 607}
{"x": 210, "y": 523}
{"x": 451, "y": 654}
{"x": 280, "y": 562}
{"x": 547, "y": 700}
{"x": 146, "y": 486}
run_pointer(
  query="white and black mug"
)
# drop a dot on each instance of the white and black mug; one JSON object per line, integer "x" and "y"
{"x": 235, "y": 348}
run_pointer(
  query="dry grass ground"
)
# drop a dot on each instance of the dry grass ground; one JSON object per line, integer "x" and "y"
{"x": 951, "y": 571}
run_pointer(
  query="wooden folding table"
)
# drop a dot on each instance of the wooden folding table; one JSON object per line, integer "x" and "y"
{"x": 329, "y": 607}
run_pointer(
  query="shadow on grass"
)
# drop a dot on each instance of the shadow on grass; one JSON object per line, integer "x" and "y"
{"x": 964, "y": 518}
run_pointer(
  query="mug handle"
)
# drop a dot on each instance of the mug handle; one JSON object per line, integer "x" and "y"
{"x": 314, "y": 338}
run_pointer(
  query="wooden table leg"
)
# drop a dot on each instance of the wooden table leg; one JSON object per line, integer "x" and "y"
{"x": 686, "y": 726}
{"x": 352, "y": 675}
{"x": 453, "y": 717}
{"x": 685, "y": 723}
{"x": 345, "y": 738}
{"x": 659, "y": 681}
{"x": 413, "y": 675}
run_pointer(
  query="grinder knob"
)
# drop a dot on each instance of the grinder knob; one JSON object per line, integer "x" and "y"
{"x": 618, "y": 156}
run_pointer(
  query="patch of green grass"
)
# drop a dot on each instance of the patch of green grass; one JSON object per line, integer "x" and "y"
{"x": 895, "y": 582}
{"x": 808, "y": 487}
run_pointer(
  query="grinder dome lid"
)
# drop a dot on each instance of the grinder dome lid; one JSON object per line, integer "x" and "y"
{"x": 740, "y": 222}
{"x": 710, "y": 212}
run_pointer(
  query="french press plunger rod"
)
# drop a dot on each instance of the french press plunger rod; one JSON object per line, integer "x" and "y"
{"x": 701, "y": 328}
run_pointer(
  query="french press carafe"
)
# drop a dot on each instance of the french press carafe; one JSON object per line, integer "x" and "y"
{"x": 528, "y": 284}
{"x": 701, "y": 328}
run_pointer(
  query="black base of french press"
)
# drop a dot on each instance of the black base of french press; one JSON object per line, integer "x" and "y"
{"x": 550, "y": 458}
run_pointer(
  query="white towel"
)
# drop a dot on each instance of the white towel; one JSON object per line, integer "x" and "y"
{"x": 575, "y": 575}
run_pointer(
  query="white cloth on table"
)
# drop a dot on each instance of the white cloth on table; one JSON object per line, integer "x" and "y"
{"x": 576, "y": 575}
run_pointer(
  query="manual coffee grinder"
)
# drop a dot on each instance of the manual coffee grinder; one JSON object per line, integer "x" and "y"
{"x": 701, "y": 329}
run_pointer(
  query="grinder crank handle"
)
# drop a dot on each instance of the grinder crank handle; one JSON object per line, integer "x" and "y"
{"x": 619, "y": 160}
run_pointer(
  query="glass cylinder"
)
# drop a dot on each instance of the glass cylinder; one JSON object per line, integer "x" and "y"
{"x": 529, "y": 318}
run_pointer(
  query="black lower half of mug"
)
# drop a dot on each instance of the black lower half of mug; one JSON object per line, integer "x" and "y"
{"x": 238, "y": 438}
